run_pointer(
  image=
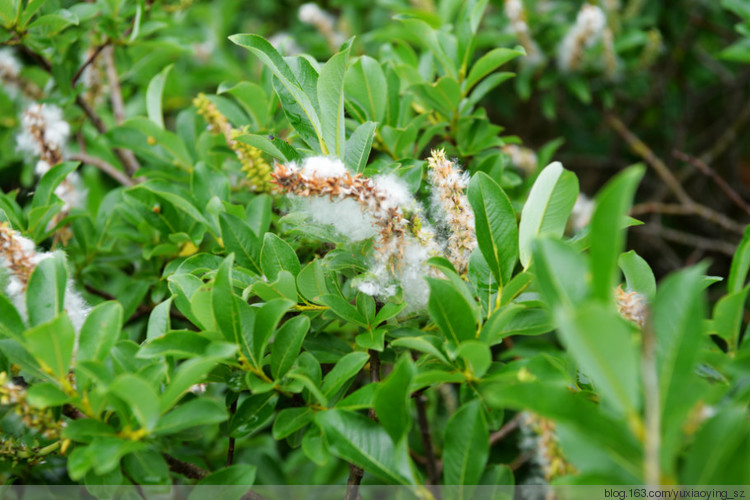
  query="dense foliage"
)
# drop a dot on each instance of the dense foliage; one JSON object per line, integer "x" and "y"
{"x": 225, "y": 260}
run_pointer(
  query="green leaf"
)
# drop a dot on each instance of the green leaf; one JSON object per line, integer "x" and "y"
{"x": 497, "y": 232}
{"x": 311, "y": 281}
{"x": 365, "y": 82}
{"x": 51, "y": 343}
{"x": 393, "y": 399}
{"x": 728, "y": 316}
{"x": 287, "y": 344}
{"x": 140, "y": 397}
{"x": 715, "y": 449}
{"x": 562, "y": 273}
{"x": 607, "y": 233}
{"x": 159, "y": 320}
{"x": 45, "y": 395}
{"x": 283, "y": 288}
{"x": 240, "y": 239}
{"x": 276, "y": 255}
{"x": 331, "y": 101}
{"x": 547, "y": 208}
{"x": 225, "y": 308}
{"x": 189, "y": 373}
{"x": 11, "y": 323}
{"x": 430, "y": 38}
{"x": 343, "y": 309}
{"x": 146, "y": 467}
{"x": 489, "y": 63}
{"x": 678, "y": 311}
{"x": 45, "y": 292}
{"x": 740, "y": 264}
{"x": 450, "y": 311}
{"x": 358, "y": 147}
{"x": 638, "y": 274}
{"x": 264, "y": 144}
{"x": 443, "y": 96}
{"x": 281, "y": 70}
{"x": 476, "y": 355}
{"x": 44, "y": 193}
{"x": 600, "y": 342}
{"x": 357, "y": 439}
{"x": 154, "y": 94}
{"x": 200, "y": 411}
{"x": 100, "y": 331}
{"x": 345, "y": 369}
{"x": 290, "y": 420}
{"x": 230, "y": 483}
{"x": 266, "y": 320}
{"x": 466, "y": 446}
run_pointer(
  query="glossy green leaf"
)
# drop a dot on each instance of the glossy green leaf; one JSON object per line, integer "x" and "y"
{"x": 607, "y": 233}
{"x": 44, "y": 194}
{"x": 488, "y": 63}
{"x": 358, "y": 147}
{"x": 331, "y": 101}
{"x": 286, "y": 345}
{"x": 466, "y": 445}
{"x": 100, "y": 331}
{"x": 495, "y": 220}
{"x": 359, "y": 440}
{"x": 154, "y": 94}
{"x": 638, "y": 274}
{"x": 677, "y": 312}
{"x": 140, "y": 397}
{"x": 276, "y": 255}
{"x": 45, "y": 292}
{"x": 609, "y": 358}
{"x": 547, "y": 208}
{"x": 450, "y": 311}
{"x": 273, "y": 60}
{"x": 740, "y": 264}
{"x": 51, "y": 343}
{"x": 393, "y": 399}
{"x": 200, "y": 411}
{"x": 344, "y": 370}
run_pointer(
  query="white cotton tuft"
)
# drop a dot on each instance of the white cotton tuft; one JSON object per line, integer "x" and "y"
{"x": 323, "y": 167}
{"x": 311, "y": 13}
{"x": 583, "y": 209}
{"x": 10, "y": 68}
{"x": 346, "y": 216}
{"x": 42, "y": 167}
{"x": 586, "y": 31}
{"x": 396, "y": 192}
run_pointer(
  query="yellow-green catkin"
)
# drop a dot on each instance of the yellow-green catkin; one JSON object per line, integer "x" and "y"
{"x": 256, "y": 168}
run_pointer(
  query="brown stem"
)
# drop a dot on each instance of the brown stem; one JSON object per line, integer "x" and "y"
{"x": 230, "y": 450}
{"x": 433, "y": 475}
{"x": 88, "y": 62}
{"x": 126, "y": 157}
{"x": 356, "y": 473}
{"x": 642, "y": 150}
{"x": 690, "y": 240}
{"x": 710, "y": 172}
{"x": 186, "y": 469}
{"x": 105, "y": 167}
{"x": 118, "y": 106}
{"x": 510, "y": 426}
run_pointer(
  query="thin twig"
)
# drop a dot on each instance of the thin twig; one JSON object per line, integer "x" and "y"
{"x": 118, "y": 106}
{"x": 86, "y": 64}
{"x": 710, "y": 172}
{"x": 690, "y": 240}
{"x": 510, "y": 426}
{"x": 186, "y": 469}
{"x": 728, "y": 137}
{"x": 105, "y": 167}
{"x": 642, "y": 150}
{"x": 230, "y": 450}
{"x": 433, "y": 475}
{"x": 126, "y": 157}
{"x": 356, "y": 473}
